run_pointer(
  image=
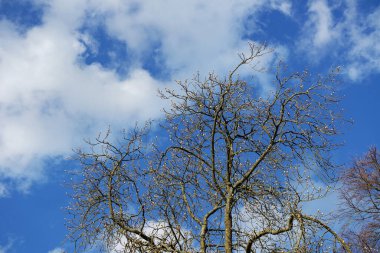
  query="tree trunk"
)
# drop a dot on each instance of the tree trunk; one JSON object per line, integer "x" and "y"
{"x": 228, "y": 223}
{"x": 203, "y": 238}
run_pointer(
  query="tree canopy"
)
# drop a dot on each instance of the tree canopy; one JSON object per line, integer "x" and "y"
{"x": 232, "y": 173}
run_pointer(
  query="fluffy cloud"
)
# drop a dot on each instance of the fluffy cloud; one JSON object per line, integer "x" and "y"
{"x": 191, "y": 35}
{"x": 49, "y": 102}
{"x": 51, "y": 98}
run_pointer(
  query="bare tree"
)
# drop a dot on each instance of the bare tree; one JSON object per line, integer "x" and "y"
{"x": 361, "y": 198}
{"x": 232, "y": 175}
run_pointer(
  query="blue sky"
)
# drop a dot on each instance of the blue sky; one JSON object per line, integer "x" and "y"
{"x": 69, "y": 69}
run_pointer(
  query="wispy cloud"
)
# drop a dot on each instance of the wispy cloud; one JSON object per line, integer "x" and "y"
{"x": 7, "y": 247}
{"x": 318, "y": 31}
{"x": 352, "y": 38}
{"x": 362, "y": 33}
{"x": 57, "y": 250}
{"x": 282, "y": 6}
{"x": 322, "y": 18}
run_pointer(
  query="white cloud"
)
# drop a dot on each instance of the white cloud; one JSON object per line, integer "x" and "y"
{"x": 50, "y": 100}
{"x": 362, "y": 31}
{"x": 193, "y": 35}
{"x": 322, "y": 19}
{"x": 352, "y": 38}
{"x": 57, "y": 250}
{"x": 154, "y": 229}
{"x": 282, "y": 6}
{"x": 318, "y": 31}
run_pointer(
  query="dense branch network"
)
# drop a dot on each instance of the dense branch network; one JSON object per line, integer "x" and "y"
{"x": 232, "y": 176}
{"x": 361, "y": 198}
